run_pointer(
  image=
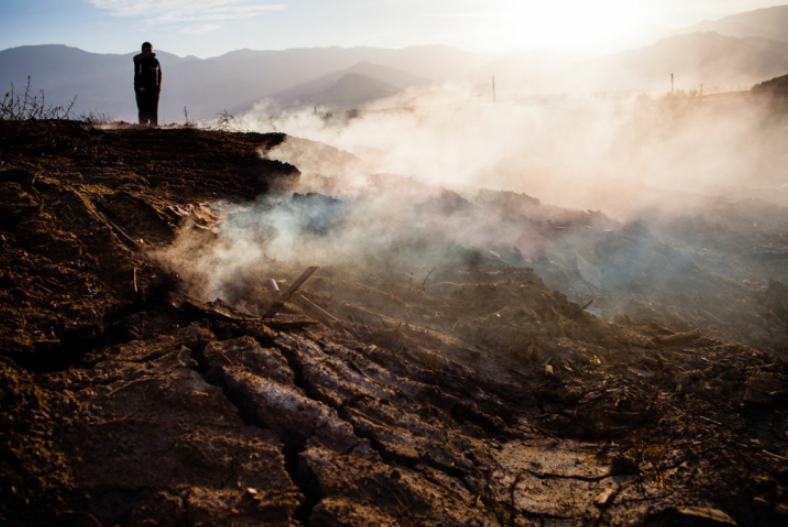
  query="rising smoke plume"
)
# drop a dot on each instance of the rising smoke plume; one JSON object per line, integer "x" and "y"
{"x": 603, "y": 153}
{"x": 621, "y": 200}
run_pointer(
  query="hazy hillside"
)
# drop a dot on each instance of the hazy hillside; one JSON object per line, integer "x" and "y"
{"x": 732, "y": 53}
{"x": 393, "y": 76}
{"x": 777, "y": 86}
{"x": 236, "y": 80}
{"x": 710, "y": 59}
{"x": 714, "y": 60}
{"x": 771, "y": 23}
{"x": 536, "y": 71}
{"x": 435, "y": 62}
{"x": 354, "y": 89}
{"x": 359, "y": 84}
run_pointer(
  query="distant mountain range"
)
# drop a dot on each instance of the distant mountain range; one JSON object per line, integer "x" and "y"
{"x": 354, "y": 86}
{"x": 770, "y": 23}
{"x": 232, "y": 82}
{"x": 732, "y": 53}
{"x": 695, "y": 59}
{"x": 735, "y": 52}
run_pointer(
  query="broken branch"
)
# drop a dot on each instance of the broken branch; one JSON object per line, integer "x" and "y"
{"x": 279, "y": 304}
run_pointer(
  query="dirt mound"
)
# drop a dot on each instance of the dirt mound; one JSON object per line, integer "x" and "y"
{"x": 777, "y": 87}
{"x": 381, "y": 392}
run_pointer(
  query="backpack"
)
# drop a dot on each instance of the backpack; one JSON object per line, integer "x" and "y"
{"x": 147, "y": 73}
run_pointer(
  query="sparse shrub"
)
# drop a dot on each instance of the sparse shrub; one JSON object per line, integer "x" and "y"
{"x": 226, "y": 121}
{"x": 26, "y": 106}
{"x": 95, "y": 118}
{"x": 187, "y": 123}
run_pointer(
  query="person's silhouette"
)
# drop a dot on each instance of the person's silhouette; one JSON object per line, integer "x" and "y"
{"x": 147, "y": 85}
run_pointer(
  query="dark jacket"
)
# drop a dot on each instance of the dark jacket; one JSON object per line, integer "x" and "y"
{"x": 147, "y": 71}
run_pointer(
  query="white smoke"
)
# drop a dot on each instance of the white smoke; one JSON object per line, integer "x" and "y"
{"x": 609, "y": 153}
{"x": 405, "y": 184}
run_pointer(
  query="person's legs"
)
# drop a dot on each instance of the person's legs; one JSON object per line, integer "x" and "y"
{"x": 141, "y": 113}
{"x": 154, "y": 108}
{"x": 148, "y": 103}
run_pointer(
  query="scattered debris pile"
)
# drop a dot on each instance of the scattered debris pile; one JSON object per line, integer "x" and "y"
{"x": 388, "y": 392}
{"x": 720, "y": 267}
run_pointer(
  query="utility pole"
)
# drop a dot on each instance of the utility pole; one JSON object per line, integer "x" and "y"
{"x": 493, "y": 86}
{"x": 672, "y": 92}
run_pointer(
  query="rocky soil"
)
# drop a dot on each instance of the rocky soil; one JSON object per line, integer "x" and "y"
{"x": 387, "y": 390}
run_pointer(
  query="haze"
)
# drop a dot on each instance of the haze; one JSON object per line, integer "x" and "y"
{"x": 208, "y": 28}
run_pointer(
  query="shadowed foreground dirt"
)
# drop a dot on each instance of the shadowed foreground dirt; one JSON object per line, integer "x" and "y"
{"x": 382, "y": 393}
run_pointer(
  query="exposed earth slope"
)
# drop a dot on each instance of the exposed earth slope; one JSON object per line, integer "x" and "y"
{"x": 395, "y": 388}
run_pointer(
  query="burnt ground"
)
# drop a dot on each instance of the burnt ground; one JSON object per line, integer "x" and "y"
{"x": 382, "y": 393}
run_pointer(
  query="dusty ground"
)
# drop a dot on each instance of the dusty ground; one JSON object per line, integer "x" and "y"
{"x": 382, "y": 393}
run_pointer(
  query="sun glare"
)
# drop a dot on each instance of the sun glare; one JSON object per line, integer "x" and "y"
{"x": 567, "y": 22}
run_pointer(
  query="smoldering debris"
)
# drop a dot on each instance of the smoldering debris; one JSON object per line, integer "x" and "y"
{"x": 419, "y": 375}
{"x": 698, "y": 267}
{"x": 716, "y": 267}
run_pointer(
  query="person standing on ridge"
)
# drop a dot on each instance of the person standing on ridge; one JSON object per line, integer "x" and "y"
{"x": 147, "y": 85}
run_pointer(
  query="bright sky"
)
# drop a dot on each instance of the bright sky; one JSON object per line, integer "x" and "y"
{"x": 207, "y": 28}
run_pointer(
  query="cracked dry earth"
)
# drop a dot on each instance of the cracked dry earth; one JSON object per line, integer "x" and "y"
{"x": 470, "y": 395}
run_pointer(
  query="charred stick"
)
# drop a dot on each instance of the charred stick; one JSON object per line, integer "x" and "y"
{"x": 279, "y": 304}
{"x": 678, "y": 338}
{"x": 319, "y": 309}
{"x": 424, "y": 283}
